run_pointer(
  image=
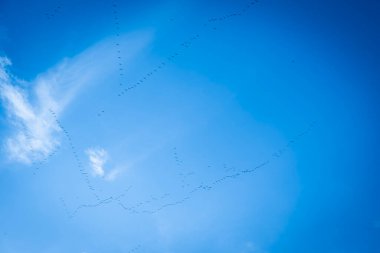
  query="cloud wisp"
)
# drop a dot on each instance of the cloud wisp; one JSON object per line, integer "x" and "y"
{"x": 35, "y": 130}
{"x": 98, "y": 157}
{"x": 28, "y": 105}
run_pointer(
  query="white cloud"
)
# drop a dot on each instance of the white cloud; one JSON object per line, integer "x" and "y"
{"x": 35, "y": 127}
{"x": 98, "y": 157}
{"x": 35, "y": 130}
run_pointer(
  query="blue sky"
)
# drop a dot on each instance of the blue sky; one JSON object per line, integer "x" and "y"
{"x": 189, "y": 126}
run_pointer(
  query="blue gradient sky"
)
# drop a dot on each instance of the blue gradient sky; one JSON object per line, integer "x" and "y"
{"x": 189, "y": 126}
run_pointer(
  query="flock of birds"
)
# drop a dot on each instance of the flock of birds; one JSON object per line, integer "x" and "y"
{"x": 156, "y": 204}
{"x": 184, "y": 175}
{"x": 211, "y": 23}
{"x": 74, "y": 152}
{"x": 51, "y": 14}
{"x": 137, "y": 248}
{"x": 140, "y": 207}
{"x": 119, "y": 54}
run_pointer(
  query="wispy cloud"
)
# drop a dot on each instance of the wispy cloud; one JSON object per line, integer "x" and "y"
{"x": 28, "y": 104}
{"x": 97, "y": 159}
{"x": 35, "y": 133}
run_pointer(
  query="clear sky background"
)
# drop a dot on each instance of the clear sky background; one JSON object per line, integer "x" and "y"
{"x": 189, "y": 126}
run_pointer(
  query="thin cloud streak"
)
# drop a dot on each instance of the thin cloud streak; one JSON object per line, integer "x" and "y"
{"x": 98, "y": 157}
{"x": 28, "y": 104}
